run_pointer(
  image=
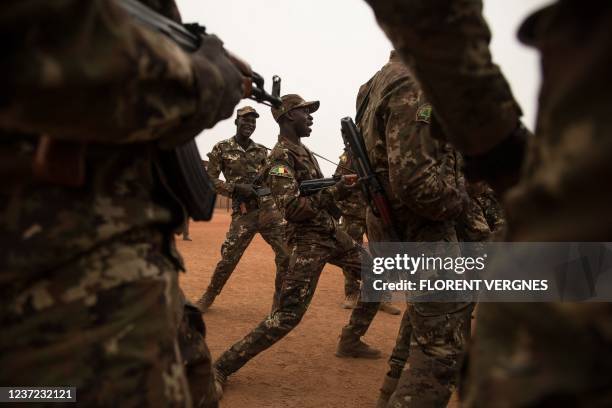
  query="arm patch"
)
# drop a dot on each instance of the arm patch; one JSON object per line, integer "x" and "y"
{"x": 280, "y": 170}
{"x": 424, "y": 113}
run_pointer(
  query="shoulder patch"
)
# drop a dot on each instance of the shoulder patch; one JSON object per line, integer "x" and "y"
{"x": 423, "y": 114}
{"x": 280, "y": 170}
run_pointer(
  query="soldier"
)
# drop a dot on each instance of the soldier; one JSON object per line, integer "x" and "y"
{"x": 89, "y": 270}
{"x": 536, "y": 354}
{"x": 241, "y": 160}
{"x": 313, "y": 240}
{"x": 426, "y": 194}
{"x": 353, "y": 222}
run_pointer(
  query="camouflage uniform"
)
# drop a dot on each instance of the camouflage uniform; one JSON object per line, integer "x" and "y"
{"x": 196, "y": 355}
{"x": 313, "y": 240}
{"x": 532, "y": 354}
{"x": 89, "y": 273}
{"x": 472, "y": 225}
{"x": 421, "y": 177}
{"x": 352, "y": 222}
{"x": 257, "y": 214}
{"x": 491, "y": 209}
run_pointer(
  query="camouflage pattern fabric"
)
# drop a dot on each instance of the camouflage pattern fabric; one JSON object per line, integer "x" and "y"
{"x": 196, "y": 356}
{"x": 353, "y": 209}
{"x": 267, "y": 222}
{"x": 427, "y": 193}
{"x": 244, "y": 166}
{"x": 529, "y": 354}
{"x": 313, "y": 240}
{"x": 491, "y": 209}
{"x": 355, "y": 228}
{"x": 104, "y": 322}
{"x": 89, "y": 273}
{"x": 472, "y": 225}
{"x": 237, "y": 164}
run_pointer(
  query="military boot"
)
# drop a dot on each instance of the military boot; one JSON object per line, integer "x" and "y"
{"x": 388, "y": 307}
{"x": 350, "y": 301}
{"x": 205, "y": 302}
{"x": 388, "y": 387}
{"x": 350, "y": 345}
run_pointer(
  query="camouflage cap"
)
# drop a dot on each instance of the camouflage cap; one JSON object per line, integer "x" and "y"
{"x": 247, "y": 110}
{"x": 293, "y": 101}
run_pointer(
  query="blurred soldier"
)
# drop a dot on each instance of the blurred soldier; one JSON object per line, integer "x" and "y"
{"x": 353, "y": 222}
{"x": 313, "y": 239}
{"x": 89, "y": 269}
{"x": 536, "y": 354}
{"x": 426, "y": 194}
{"x": 196, "y": 355}
{"x": 241, "y": 160}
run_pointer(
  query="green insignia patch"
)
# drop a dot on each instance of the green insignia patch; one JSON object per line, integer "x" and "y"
{"x": 424, "y": 113}
{"x": 280, "y": 170}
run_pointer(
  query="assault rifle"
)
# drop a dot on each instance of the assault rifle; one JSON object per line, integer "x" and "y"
{"x": 372, "y": 188}
{"x": 310, "y": 187}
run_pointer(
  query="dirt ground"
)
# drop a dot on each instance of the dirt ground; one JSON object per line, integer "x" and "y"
{"x": 301, "y": 370}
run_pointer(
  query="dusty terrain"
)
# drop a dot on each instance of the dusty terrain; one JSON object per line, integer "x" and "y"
{"x": 301, "y": 370}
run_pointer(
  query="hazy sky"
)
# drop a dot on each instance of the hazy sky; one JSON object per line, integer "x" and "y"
{"x": 325, "y": 49}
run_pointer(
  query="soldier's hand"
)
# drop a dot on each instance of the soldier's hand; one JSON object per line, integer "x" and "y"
{"x": 346, "y": 184}
{"x": 244, "y": 190}
{"x": 220, "y": 83}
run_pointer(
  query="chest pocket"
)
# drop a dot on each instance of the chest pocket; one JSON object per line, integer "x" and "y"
{"x": 306, "y": 168}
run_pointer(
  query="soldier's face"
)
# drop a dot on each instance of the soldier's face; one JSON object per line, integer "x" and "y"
{"x": 246, "y": 125}
{"x": 302, "y": 121}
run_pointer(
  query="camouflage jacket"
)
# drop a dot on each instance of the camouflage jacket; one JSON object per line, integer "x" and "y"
{"x": 472, "y": 225}
{"x": 289, "y": 165}
{"x": 236, "y": 164}
{"x": 420, "y": 174}
{"x": 354, "y": 204}
{"x": 119, "y": 91}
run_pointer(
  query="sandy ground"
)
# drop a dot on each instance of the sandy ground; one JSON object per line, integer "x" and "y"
{"x": 301, "y": 370}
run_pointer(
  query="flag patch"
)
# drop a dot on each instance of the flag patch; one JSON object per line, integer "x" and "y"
{"x": 280, "y": 170}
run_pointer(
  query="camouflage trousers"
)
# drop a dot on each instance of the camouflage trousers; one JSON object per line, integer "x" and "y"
{"x": 432, "y": 338}
{"x": 355, "y": 228}
{"x": 104, "y": 322}
{"x": 308, "y": 257}
{"x": 439, "y": 333}
{"x": 270, "y": 224}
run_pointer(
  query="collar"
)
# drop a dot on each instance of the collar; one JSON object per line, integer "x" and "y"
{"x": 299, "y": 149}
{"x": 234, "y": 143}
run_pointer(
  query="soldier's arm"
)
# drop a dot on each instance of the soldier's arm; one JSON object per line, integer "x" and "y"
{"x": 419, "y": 178}
{"x": 446, "y": 44}
{"x": 86, "y": 71}
{"x": 215, "y": 166}
{"x": 286, "y": 192}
